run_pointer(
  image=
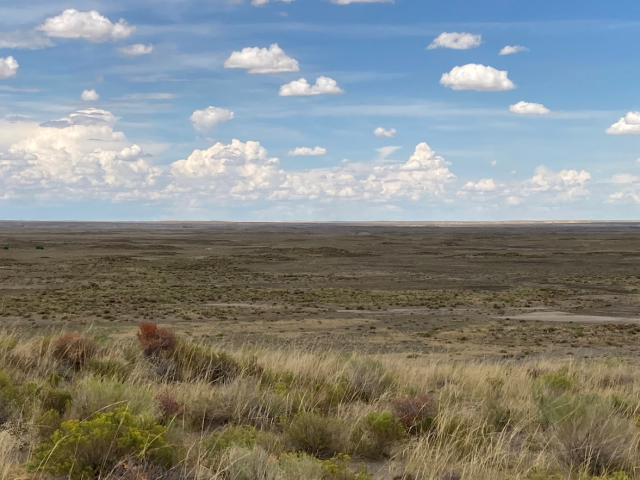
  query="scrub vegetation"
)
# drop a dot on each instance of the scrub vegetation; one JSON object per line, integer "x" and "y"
{"x": 116, "y": 409}
{"x": 237, "y": 352}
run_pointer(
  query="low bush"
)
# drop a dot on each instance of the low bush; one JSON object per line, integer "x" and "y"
{"x": 156, "y": 340}
{"x": 591, "y": 437}
{"x": 198, "y": 362}
{"x": 81, "y": 450}
{"x": 169, "y": 406}
{"x": 93, "y": 394}
{"x": 249, "y": 464}
{"x": 55, "y": 399}
{"x": 377, "y": 433}
{"x": 74, "y": 348}
{"x": 368, "y": 379}
{"x": 316, "y": 434}
{"x": 417, "y": 414}
{"x": 244, "y": 436}
{"x": 109, "y": 368}
{"x": 301, "y": 466}
{"x": 337, "y": 468}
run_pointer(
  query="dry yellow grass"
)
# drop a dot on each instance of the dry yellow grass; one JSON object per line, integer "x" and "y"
{"x": 546, "y": 419}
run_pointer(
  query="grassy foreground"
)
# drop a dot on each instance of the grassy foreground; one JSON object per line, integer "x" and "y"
{"x": 160, "y": 407}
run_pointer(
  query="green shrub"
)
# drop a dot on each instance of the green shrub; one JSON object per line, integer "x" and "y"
{"x": 316, "y": 434}
{"x": 83, "y": 449}
{"x": 250, "y": 464}
{"x": 552, "y": 394}
{"x": 109, "y": 369}
{"x": 93, "y": 394}
{"x": 377, "y": 434}
{"x": 589, "y": 436}
{"x": 244, "y": 436}
{"x": 296, "y": 466}
{"x": 337, "y": 468}
{"x": 198, "y": 362}
{"x": 299, "y": 466}
{"x": 58, "y": 400}
{"x": 367, "y": 379}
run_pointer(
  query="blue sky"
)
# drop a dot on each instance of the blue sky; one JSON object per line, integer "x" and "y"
{"x": 184, "y": 130}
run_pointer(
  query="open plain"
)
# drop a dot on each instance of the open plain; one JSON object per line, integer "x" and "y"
{"x": 490, "y": 290}
{"x": 213, "y": 351}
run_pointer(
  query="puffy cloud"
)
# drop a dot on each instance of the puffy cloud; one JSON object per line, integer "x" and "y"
{"x": 307, "y": 152}
{"x": 510, "y": 50}
{"x": 8, "y": 67}
{"x": 29, "y": 39}
{"x": 481, "y": 186}
{"x": 525, "y": 108}
{"x": 90, "y": 96}
{"x": 348, "y": 2}
{"x": 323, "y": 86}
{"x": 238, "y": 170}
{"x": 65, "y": 162}
{"x": 629, "y": 186}
{"x": 477, "y": 77}
{"x": 209, "y": 118}
{"x": 381, "y": 132}
{"x": 627, "y": 125}
{"x": 88, "y": 25}
{"x": 137, "y": 49}
{"x": 262, "y": 60}
{"x": 456, "y": 41}
{"x": 424, "y": 174}
{"x": 564, "y": 185}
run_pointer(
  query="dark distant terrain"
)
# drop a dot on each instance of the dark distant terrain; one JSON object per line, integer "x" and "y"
{"x": 488, "y": 290}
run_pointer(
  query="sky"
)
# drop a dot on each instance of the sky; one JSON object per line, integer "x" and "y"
{"x": 319, "y": 110}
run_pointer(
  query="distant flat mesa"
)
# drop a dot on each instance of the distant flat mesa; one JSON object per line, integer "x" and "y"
{"x": 563, "y": 317}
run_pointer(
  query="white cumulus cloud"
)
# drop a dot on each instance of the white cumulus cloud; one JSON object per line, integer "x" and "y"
{"x": 323, "y": 86}
{"x": 477, "y": 77}
{"x": 456, "y": 41}
{"x": 209, "y": 118}
{"x": 563, "y": 185}
{"x": 262, "y": 60}
{"x": 307, "y": 152}
{"x": 424, "y": 174}
{"x": 526, "y": 108}
{"x": 510, "y": 50}
{"x": 137, "y": 49}
{"x": 90, "y": 96}
{"x": 482, "y": 185}
{"x": 78, "y": 161}
{"x": 8, "y": 67}
{"x": 88, "y": 25}
{"x": 235, "y": 171}
{"x": 382, "y": 132}
{"x": 627, "y": 125}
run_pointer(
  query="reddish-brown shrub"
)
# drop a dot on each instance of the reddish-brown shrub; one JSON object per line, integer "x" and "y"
{"x": 74, "y": 348}
{"x": 154, "y": 339}
{"x": 169, "y": 406}
{"x": 416, "y": 413}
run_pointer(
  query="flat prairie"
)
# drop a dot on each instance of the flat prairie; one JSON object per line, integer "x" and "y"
{"x": 503, "y": 290}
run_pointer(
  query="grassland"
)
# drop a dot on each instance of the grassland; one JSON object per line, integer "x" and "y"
{"x": 327, "y": 352}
